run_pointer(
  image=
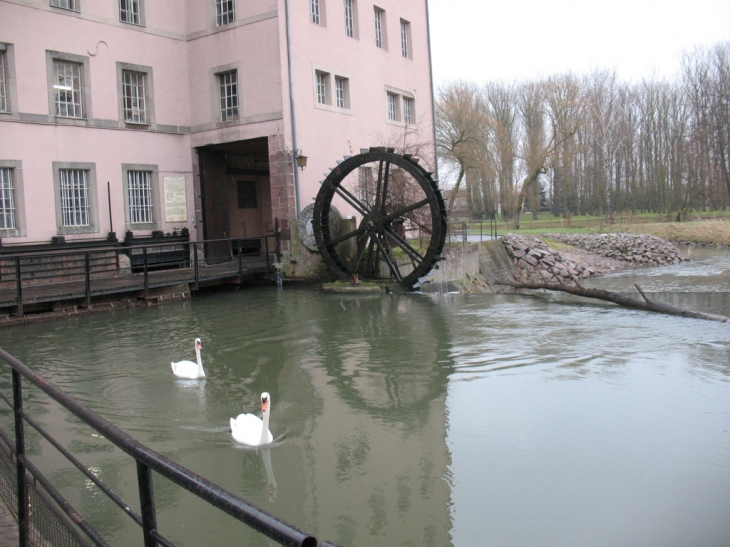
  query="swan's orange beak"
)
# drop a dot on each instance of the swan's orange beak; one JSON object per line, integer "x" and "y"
{"x": 264, "y": 406}
{"x": 200, "y": 345}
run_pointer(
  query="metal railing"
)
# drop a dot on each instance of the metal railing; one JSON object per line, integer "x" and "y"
{"x": 28, "y": 477}
{"x": 465, "y": 231}
{"x": 20, "y": 271}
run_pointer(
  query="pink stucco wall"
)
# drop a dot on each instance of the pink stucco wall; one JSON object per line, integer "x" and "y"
{"x": 182, "y": 45}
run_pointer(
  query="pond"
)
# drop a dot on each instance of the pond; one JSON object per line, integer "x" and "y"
{"x": 439, "y": 419}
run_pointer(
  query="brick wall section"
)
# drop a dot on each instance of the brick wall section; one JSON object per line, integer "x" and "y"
{"x": 283, "y": 199}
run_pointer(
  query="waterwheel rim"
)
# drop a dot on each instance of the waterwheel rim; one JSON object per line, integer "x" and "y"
{"x": 398, "y": 201}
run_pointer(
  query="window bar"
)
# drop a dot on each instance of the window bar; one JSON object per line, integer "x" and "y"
{"x": 314, "y": 11}
{"x": 378, "y": 28}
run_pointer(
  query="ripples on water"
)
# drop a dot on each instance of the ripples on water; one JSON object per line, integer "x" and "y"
{"x": 414, "y": 420}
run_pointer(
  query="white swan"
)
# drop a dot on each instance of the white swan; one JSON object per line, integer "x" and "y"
{"x": 188, "y": 369}
{"x": 249, "y": 429}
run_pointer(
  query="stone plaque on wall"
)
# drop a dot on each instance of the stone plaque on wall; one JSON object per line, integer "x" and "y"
{"x": 176, "y": 208}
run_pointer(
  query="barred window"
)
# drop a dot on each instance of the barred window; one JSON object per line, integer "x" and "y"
{"x": 405, "y": 30}
{"x": 129, "y": 12}
{"x": 3, "y": 85}
{"x": 378, "y": 28}
{"x": 74, "y": 198}
{"x": 225, "y": 12}
{"x": 133, "y": 97}
{"x": 322, "y": 87}
{"x": 7, "y": 200}
{"x": 228, "y": 83}
{"x": 314, "y": 15}
{"x": 409, "y": 111}
{"x": 65, "y": 4}
{"x": 392, "y": 106}
{"x": 139, "y": 197}
{"x": 67, "y": 89}
{"x": 349, "y": 22}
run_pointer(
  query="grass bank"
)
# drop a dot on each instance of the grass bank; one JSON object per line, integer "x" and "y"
{"x": 705, "y": 228}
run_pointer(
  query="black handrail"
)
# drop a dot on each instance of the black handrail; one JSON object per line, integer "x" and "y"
{"x": 147, "y": 461}
{"x": 25, "y": 270}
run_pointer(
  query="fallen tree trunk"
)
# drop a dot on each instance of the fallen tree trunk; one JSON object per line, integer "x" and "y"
{"x": 617, "y": 298}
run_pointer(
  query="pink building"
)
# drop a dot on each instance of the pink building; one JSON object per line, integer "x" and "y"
{"x": 142, "y": 116}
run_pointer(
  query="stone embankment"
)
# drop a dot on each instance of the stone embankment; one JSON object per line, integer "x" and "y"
{"x": 535, "y": 261}
{"x": 589, "y": 255}
{"x": 634, "y": 249}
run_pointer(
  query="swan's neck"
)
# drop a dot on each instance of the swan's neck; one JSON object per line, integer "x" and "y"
{"x": 200, "y": 362}
{"x": 265, "y": 424}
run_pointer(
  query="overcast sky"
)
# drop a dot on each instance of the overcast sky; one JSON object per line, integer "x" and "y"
{"x": 510, "y": 40}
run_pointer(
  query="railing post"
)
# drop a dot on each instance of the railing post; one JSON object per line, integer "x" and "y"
{"x": 87, "y": 268}
{"x": 266, "y": 250}
{"x": 19, "y": 286}
{"x": 240, "y": 261}
{"x": 146, "y": 277}
{"x": 23, "y": 509}
{"x": 147, "y": 504}
{"x": 195, "y": 264}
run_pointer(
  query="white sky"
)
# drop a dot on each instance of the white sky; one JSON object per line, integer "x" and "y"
{"x": 510, "y": 40}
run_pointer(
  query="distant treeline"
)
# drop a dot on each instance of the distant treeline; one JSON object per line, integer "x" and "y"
{"x": 591, "y": 144}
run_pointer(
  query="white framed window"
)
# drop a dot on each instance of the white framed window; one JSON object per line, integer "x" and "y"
{"x": 393, "y": 111}
{"x": 314, "y": 12}
{"x": 12, "y": 222}
{"x": 7, "y": 199}
{"x": 322, "y": 87}
{"x": 131, "y": 11}
{"x": 140, "y": 183}
{"x": 409, "y": 111}
{"x": 4, "y": 106}
{"x": 75, "y": 194}
{"x": 380, "y": 36}
{"x": 72, "y": 5}
{"x": 349, "y": 19}
{"x": 133, "y": 97}
{"x": 331, "y": 90}
{"x": 139, "y": 197}
{"x": 136, "y": 99}
{"x": 228, "y": 86}
{"x": 342, "y": 92}
{"x": 225, "y": 12}
{"x": 67, "y": 89}
{"x": 405, "y": 38}
{"x": 74, "y": 198}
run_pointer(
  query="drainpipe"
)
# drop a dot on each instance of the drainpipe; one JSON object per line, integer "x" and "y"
{"x": 433, "y": 101}
{"x": 291, "y": 106}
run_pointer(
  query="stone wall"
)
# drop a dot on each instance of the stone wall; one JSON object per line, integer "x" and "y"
{"x": 636, "y": 249}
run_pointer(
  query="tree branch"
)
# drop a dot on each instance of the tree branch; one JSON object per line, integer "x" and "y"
{"x": 616, "y": 298}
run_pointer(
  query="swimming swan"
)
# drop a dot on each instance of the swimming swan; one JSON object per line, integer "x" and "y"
{"x": 249, "y": 429}
{"x": 188, "y": 369}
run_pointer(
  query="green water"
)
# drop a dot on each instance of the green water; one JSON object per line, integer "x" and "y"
{"x": 438, "y": 419}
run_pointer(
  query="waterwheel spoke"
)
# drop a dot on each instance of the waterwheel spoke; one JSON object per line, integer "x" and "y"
{"x": 359, "y": 206}
{"x": 382, "y": 195}
{"x": 361, "y": 247}
{"x": 402, "y": 212}
{"x": 391, "y": 265}
{"x": 348, "y": 235}
{"x": 403, "y": 244}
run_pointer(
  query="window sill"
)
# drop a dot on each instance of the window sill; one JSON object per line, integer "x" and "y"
{"x": 330, "y": 108}
{"x": 137, "y": 125}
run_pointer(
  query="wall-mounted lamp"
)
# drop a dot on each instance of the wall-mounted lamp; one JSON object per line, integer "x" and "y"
{"x": 296, "y": 155}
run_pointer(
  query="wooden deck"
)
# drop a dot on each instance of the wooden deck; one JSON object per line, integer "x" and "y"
{"x": 226, "y": 271}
